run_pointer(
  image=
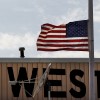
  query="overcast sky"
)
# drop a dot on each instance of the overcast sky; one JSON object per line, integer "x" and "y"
{"x": 21, "y": 20}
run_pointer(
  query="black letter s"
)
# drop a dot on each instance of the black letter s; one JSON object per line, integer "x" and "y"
{"x": 77, "y": 83}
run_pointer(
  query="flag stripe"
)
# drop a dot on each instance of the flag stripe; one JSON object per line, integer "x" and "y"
{"x": 67, "y": 49}
{"x": 62, "y": 45}
{"x": 53, "y": 31}
{"x": 48, "y": 25}
{"x": 78, "y": 40}
{"x": 60, "y": 37}
{"x": 52, "y": 36}
{"x": 68, "y": 43}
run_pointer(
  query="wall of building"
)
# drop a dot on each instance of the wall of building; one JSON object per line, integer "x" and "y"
{"x": 69, "y": 78}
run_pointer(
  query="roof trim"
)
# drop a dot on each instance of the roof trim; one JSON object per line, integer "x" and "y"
{"x": 47, "y": 60}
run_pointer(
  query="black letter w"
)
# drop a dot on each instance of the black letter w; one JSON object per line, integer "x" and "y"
{"x": 21, "y": 77}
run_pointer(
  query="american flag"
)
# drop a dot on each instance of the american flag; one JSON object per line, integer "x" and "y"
{"x": 72, "y": 36}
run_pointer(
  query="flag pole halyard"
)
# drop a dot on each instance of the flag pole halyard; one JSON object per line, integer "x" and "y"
{"x": 91, "y": 51}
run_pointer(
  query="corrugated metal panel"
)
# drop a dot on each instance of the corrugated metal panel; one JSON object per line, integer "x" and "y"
{"x": 5, "y": 86}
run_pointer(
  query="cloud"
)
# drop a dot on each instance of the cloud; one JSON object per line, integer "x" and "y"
{"x": 10, "y": 43}
{"x": 97, "y": 11}
{"x": 63, "y": 54}
{"x": 23, "y": 9}
{"x": 97, "y": 54}
{"x": 71, "y": 15}
{"x": 73, "y": 2}
{"x": 97, "y": 14}
{"x": 8, "y": 40}
{"x": 67, "y": 54}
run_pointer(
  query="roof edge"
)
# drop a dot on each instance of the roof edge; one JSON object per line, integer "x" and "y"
{"x": 47, "y": 60}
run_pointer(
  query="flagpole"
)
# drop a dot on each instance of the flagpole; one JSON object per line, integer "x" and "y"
{"x": 91, "y": 51}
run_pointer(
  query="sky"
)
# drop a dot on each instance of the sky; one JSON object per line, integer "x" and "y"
{"x": 21, "y": 20}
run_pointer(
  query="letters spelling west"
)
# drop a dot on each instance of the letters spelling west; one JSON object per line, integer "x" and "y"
{"x": 29, "y": 86}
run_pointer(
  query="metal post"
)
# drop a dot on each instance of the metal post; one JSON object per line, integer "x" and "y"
{"x": 48, "y": 95}
{"x": 49, "y": 90}
{"x": 91, "y": 52}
